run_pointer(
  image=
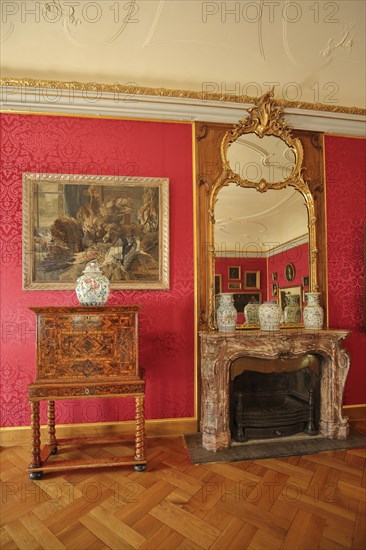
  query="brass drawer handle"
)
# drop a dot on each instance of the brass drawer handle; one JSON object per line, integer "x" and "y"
{"x": 86, "y": 391}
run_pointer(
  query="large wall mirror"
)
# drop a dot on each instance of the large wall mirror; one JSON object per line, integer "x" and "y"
{"x": 261, "y": 219}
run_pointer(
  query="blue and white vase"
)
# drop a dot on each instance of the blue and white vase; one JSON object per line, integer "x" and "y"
{"x": 313, "y": 312}
{"x": 226, "y": 314}
{"x": 92, "y": 288}
{"x": 269, "y": 316}
{"x": 251, "y": 312}
{"x": 292, "y": 309}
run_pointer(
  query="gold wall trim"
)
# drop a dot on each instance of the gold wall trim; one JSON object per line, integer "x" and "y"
{"x": 195, "y": 280}
{"x": 167, "y": 92}
{"x": 325, "y": 230}
{"x": 21, "y": 435}
{"x": 25, "y": 112}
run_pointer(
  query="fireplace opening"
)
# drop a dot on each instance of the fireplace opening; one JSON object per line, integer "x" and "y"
{"x": 274, "y": 398}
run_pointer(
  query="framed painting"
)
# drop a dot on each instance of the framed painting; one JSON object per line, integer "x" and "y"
{"x": 274, "y": 289}
{"x": 218, "y": 283}
{"x": 241, "y": 299}
{"x": 234, "y": 286}
{"x": 293, "y": 291}
{"x": 290, "y": 272}
{"x": 252, "y": 279}
{"x": 68, "y": 220}
{"x": 234, "y": 272}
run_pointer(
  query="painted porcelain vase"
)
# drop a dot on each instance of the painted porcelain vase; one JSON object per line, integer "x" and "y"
{"x": 226, "y": 314}
{"x": 251, "y": 312}
{"x": 92, "y": 288}
{"x": 269, "y": 316}
{"x": 313, "y": 311}
{"x": 292, "y": 310}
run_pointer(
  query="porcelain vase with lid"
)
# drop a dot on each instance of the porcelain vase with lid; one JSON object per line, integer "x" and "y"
{"x": 313, "y": 311}
{"x": 292, "y": 309}
{"x": 226, "y": 314}
{"x": 92, "y": 288}
{"x": 269, "y": 316}
{"x": 251, "y": 312}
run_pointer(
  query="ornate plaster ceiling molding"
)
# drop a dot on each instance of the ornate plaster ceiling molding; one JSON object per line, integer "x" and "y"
{"x": 105, "y": 100}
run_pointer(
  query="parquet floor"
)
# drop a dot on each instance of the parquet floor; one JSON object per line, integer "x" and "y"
{"x": 306, "y": 502}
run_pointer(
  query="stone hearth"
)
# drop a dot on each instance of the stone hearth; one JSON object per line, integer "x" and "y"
{"x": 219, "y": 350}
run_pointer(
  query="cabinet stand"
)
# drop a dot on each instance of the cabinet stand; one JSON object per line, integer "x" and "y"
{"x": 83, "y": 353}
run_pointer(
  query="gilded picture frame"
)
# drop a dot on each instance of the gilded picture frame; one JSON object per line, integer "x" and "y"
{"x": 290, "y": 272}
{"x": 293, "y": 291}
{"x": 121, "y": 221}
{"x": 234, "y": 273}
{"x": 234, "y": 286}
{"x": 252, "y": 279}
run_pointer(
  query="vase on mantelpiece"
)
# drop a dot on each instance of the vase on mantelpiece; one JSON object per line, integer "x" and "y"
{"x": 313, "y": 311}
{"x": 226, "y": 314}
{"x": 269, "y": 316}
{"x": 292, "y": 313}
{"x": 92, "y": 288}
{"x": 251, "y": 312}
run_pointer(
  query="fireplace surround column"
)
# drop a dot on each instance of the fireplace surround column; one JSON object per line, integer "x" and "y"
{"x": 219, "y": 350}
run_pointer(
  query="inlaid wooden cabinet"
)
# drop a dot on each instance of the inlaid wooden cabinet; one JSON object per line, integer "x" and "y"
{"x": 85, "y": 352}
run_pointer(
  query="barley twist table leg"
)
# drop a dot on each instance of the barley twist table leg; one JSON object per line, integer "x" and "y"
{"x": 51, "y": 430}
{"x": 140, "y": 433}
{"x": 36, "y": 441}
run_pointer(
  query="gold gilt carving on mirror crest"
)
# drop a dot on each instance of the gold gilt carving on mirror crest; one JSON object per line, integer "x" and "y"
{"x": 264, "y": 119}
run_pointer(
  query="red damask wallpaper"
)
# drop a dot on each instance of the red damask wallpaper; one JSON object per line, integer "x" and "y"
{"x": 246, "y": 264}
{"x": 298, "y": 257}
{"x": 346, "y": 216}
{"x": 95, "y": 146}
{"x": 166, "y": 336}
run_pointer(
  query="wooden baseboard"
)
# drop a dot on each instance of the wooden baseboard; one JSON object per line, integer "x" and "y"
{"x": 163, "y": 427}
{"x": 355, "y": 412}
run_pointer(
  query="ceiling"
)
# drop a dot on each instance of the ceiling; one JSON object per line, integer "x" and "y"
{"x": 254, "y": 223}
{"x": 309, "y": 51}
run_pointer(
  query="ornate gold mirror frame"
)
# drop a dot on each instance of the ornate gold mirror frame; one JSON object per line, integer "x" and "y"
{"x": 264, "y": 119}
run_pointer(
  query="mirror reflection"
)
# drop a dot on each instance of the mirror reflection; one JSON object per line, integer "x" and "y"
{"x": 261, "y": 218}
{"x": 261, "y": 246}
{"x": 254, "y": 158}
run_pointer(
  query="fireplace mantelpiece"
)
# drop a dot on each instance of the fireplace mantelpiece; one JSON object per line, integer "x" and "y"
{"x": 219, "y": 350}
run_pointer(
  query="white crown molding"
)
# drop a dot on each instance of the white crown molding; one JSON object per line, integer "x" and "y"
{"x": 262, "y": 252}
{"x": 304, "y": 239}
{"x": 105, "y": 104}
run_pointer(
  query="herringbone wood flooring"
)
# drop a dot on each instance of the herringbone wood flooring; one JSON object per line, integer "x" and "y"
{"x": 304, "y": 502}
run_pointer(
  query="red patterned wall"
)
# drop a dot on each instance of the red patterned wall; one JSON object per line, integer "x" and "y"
{"x": 80, "y": 145}
{"x": 346, "y": 214}
{"x": 246, "y": 264}
{"x": 95, "y": 146}
{"x": 299, "y": 257}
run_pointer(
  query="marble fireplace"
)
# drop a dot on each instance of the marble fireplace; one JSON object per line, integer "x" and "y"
{"x": 219, "y": 351}
{"x": 271, "y": 398}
